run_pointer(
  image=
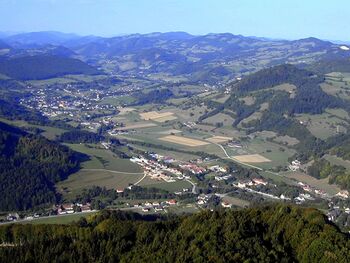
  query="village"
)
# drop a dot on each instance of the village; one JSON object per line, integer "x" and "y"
{"x": 74, "y": 100}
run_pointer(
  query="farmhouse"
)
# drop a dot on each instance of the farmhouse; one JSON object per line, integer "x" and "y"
{"x": 193, "y": 168}
{"x": 226, "y": 205}
{"x": 258, "y": 181}
{"x": 294, "y": 166}
{"x": 172, "y": 202}
{"x": 217, "y": 169}
{"x": 343, "y": 194}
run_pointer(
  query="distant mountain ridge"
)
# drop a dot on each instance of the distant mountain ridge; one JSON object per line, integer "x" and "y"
{"x": 39, "y": 38}
{"x": 211, "y": 58}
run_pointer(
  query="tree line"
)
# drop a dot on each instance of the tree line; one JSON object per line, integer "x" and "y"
{"x": 275, "y": 233}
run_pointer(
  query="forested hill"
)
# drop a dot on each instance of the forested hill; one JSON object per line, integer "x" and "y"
{"x": 266, "y": 234}
{"x": 270, "y": 77}
{"x": 307, "y": 97}
{"x": 43, "y": 67}
{"x": 29, "y": 167}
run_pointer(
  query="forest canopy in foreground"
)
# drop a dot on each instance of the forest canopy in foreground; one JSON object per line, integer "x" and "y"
{"x": 265, "y": 234}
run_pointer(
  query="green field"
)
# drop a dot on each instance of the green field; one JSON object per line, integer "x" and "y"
{"x": 103, "y": 169}
{"x": 170, "y": 187}
{"x": 85, "y": 179}
{"x": 63, "y": 219}
{"x": 236, "y": 201}
{"x": 270, "y": 150}
{"x": 49, "y": 132}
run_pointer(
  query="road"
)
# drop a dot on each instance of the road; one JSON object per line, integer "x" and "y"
{"x": 193, "y": 186}
{"x": 139, "y": 181}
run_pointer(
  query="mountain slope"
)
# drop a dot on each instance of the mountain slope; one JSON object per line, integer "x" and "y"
{"x": 29, "y": 167}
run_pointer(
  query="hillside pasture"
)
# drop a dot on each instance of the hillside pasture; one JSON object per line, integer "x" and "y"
{"x": 223, "y": 118}
{"x": 323, "y": 125}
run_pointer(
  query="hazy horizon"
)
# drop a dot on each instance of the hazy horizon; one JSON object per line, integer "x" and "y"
{"x": 271, "y": 19}
{"x": 4, "y": 35}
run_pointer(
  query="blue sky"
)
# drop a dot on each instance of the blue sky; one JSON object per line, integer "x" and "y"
{"x": 288, "y": 19}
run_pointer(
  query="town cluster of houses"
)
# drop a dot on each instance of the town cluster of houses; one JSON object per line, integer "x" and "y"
{"x": 158, "y": 167}
{"x": 203, "y": 199}
{"x": 158, "y": 171}
{"x": 193, "y": 168}
{"x": 253, "y": 182}
{"x": 71, "y": 208}
{"x": 61, "y": 209}
{"x": 156, "y": 206}
{"x": 51, "y": 105}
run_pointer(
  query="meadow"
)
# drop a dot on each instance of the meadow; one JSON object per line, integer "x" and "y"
{"x": 103, "y": 169}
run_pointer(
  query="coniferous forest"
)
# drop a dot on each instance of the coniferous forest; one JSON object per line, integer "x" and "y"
{"x": 29, "y": 167}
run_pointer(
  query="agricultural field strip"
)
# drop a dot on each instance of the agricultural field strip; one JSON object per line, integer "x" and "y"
{"x": 153, "y": 115}
{"x": 252, "y": 158}
{"x": 183, "y": 140}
